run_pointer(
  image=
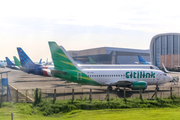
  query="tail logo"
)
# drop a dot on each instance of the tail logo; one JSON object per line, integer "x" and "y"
{"x": 62, "y": 55}
{"x": 68, "y": 63}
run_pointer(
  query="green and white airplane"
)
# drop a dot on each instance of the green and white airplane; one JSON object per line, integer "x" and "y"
{"x": 136, "y": 78}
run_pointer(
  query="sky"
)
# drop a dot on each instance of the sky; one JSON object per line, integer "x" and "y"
{"x": 83, "y": 24}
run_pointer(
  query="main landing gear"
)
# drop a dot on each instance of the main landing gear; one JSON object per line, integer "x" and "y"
{"x": 109, "y": 88}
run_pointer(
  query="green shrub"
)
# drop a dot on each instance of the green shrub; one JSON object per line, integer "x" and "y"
{"x": 37, "y": 96}
{"x": 48, "y": 107}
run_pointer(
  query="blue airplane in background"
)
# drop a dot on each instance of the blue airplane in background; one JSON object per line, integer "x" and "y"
{"x": 10, "y": 64}
{"x": 28, "y": 65}
{"x": 3, "y": 63}
{"x": 141, "y": 60}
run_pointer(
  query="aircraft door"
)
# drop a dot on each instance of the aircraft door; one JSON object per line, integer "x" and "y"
{"x": 158, "y": 78}
{"x": 79, "y": 76}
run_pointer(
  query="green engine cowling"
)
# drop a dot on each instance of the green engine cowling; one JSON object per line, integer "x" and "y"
{"x": 139, "y": 85}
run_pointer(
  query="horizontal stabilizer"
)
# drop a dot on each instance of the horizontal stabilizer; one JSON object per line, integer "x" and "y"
{"x": 53, "y": 72}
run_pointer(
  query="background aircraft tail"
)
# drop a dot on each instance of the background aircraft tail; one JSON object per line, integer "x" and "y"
{"x": 91, "y": 61}
{"x": 17, "y": 62}
{"x": 24, "y": 59}
{"x": 40, "y": 61}
{"x": 62, "y": 60}
{"x": 9, "y": 63}
{"x": 141, "y": 60}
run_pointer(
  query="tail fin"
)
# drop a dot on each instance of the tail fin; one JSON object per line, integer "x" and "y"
{"x": 9, "y": 63}
{"x": 61, "y": 59}
{"x": 91, "y": 61}
{"x": 25, "y": 60}
{"x": 47, "y": 61}
{"x": 17, "y": 62}
{"x": 141, "y": 60}
{"x": 40, "y": 61}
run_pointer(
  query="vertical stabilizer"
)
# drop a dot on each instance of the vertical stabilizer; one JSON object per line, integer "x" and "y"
{"x": 17, "y": 62}
{"x": 141, "y": 60}
{"x": 9, "y": 63}
{"x": 24, "y": 59}
{"x": 91, "y": 61}
{"x": 40, "y": 61}
{"x": 62, "y": 60}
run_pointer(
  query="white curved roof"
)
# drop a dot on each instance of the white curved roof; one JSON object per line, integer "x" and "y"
{"x": 162, "y": 34}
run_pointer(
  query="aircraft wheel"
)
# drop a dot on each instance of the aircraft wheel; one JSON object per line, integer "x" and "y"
{"x": 157, "y": 88}
{"x": 118, "y": 90}
{"x": 109, "y": 88}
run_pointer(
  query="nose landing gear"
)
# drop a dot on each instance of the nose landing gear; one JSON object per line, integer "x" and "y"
{"x": 175, "y": 80}
{"x": 157, "y": 89}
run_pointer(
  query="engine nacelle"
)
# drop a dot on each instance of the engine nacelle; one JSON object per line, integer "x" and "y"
{"x": 139, "y": 85}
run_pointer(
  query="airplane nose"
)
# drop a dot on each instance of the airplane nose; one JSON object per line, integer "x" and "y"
{"x": 170, "y": 78}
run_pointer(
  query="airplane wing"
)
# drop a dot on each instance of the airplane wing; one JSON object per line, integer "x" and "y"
{"x": 166, "y": 71}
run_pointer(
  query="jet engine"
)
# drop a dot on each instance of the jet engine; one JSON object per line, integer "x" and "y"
{"x": 139, "y": 85}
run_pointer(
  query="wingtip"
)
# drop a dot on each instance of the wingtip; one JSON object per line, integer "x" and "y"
{"x": 165, "y": 68}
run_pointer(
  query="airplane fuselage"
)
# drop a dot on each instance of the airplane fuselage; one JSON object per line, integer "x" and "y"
{"x": 114, "y": 77}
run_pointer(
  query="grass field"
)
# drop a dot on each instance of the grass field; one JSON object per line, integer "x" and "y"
{"x": 107, "y": 114}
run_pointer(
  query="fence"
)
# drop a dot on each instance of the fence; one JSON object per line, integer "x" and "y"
{"x": 22, "y": 95}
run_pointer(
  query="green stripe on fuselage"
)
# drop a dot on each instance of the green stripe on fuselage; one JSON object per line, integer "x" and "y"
{"x": 73, "y": 77}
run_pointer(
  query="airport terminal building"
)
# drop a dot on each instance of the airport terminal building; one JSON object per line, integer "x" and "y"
{"x": 164, "y": 48}
{"x": 110, "y": 55}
